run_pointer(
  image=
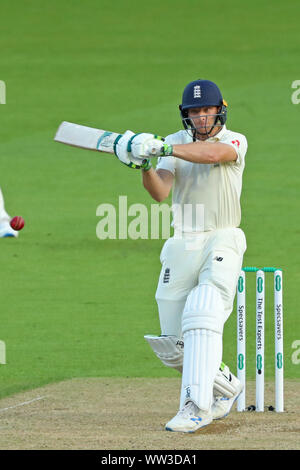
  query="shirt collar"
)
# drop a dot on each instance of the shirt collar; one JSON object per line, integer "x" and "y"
{"x": 218, "y": 136}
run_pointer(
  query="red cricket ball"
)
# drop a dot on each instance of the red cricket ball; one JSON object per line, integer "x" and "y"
{"x": 17, "y": 223}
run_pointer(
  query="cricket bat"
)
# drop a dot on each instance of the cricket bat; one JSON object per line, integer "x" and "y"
{"x": 86, "y": 137}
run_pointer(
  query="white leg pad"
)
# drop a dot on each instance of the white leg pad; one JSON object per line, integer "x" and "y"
{"x": 202, "y": 357}
{"x": 169, "y": 349}
{"x": 204, "y": 308}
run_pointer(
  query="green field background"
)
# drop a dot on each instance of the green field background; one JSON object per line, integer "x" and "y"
{"x": 75, "y": 306}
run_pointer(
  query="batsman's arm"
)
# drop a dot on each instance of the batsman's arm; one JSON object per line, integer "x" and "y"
{"x": 205, "y": 152}
{"x": 158, "y": 183}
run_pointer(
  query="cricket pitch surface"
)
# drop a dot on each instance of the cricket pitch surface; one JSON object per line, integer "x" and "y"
{"x": 130, "y": 414}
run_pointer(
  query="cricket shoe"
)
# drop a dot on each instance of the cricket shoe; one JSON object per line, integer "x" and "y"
{"x": 222, "y": 405}
{"x": 189, "y": 419}
{"x": 6, "y": 230}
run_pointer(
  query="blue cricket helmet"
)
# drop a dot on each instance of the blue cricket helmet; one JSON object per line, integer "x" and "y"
{"x": 202, "y": 93}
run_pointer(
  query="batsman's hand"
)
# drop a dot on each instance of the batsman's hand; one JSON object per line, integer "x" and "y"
{"x": 149, "y": 146}
{"x": 136, "y": 150}
{"x": 122, "y": 151}
{"x": 146, "y": 145}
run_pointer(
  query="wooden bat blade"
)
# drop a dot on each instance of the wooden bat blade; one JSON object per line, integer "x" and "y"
{"x": 86, "y": 137}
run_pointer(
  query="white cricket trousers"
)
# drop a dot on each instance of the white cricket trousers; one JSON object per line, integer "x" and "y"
{"x": 212, "y": 258}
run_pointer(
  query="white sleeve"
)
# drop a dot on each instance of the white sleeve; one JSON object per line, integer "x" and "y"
{"x": 240, "y": 145}
{"x": 166, "y": 163}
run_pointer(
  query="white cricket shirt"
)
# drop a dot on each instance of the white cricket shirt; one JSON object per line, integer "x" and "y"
{"x": 206, "y": 196}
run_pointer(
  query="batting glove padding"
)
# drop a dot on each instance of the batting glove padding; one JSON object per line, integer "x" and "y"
{"x": 146, "y": 145}
{"x": 121, "y": 151}
{"x": 136, "y": 150}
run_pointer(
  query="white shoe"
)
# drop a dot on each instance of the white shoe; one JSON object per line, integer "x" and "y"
{"x": 6, "y": 230}
{"x": 189, "y": 419}
{"x": 222, "y": 405}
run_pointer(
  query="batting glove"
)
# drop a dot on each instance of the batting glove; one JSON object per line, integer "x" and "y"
{"x": 122, "y": 149}
{"x": 149, "y": 146}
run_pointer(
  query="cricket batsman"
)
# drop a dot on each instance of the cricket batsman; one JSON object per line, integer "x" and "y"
{"x": 203, "y": 166}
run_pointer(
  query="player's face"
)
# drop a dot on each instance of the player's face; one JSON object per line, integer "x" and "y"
{"x": 203, "y": 120}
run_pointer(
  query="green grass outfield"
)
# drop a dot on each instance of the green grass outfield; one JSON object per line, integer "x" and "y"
{"x": 75, "y": 306}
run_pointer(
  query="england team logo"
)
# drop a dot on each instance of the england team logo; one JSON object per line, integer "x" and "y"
{"x": 197, "y": 91}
